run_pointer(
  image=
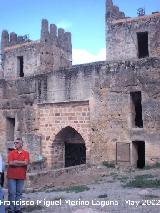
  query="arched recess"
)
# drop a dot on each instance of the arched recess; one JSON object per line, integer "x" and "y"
{"x": 68, "y": 148}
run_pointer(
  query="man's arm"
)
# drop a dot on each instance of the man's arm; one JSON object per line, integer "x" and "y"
{"x": 18, "y": 163}
{"x": 12, "y": 162}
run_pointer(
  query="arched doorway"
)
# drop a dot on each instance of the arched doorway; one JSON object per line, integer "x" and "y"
{"x": 70, "y": 149}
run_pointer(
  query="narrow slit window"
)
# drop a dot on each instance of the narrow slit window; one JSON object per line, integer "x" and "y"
{"x": 136, "y": 99}
{"x": 142, "y": 39}
{"x": 20, "y": 66}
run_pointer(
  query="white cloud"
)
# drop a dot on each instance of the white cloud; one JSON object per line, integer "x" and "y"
{"x": 64, "y": 24}
{"x": 81, "y": 56}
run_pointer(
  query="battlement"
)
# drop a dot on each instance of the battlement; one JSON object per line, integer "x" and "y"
{"x": 11, "y": 39}
{"x": 22, "y": 57}
{"x": 50, "y": 34}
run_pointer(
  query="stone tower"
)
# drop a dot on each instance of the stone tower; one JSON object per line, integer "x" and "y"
{"x": 22, "y": 57}
{"x": 131, "y": 38}
{"x": 56, "y": 47}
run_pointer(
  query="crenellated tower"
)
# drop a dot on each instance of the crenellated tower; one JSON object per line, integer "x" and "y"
{"x": 56, "y": 47}
{"x": 22, "y": 57}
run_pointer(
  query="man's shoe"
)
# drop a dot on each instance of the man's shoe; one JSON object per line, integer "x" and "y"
{"x": 18, "y": 211}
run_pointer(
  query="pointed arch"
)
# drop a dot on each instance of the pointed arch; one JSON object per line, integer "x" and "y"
{"x": 68, "y": 148}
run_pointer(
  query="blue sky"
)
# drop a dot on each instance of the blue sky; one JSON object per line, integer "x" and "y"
{"x": 83, "y": 18}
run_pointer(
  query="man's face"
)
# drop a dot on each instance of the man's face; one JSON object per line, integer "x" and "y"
{"x": 18, "y": 144}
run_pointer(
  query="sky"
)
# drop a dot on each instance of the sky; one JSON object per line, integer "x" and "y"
{"x": 85, "y": 19}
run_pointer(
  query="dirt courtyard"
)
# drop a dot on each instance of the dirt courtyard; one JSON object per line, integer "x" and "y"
{"x": 99, "y": 189}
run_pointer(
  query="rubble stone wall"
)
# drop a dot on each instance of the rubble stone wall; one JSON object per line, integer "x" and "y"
{"x": 121, "y": 39}
{"x": 93, "y": 99}
{"x": 112, "y": 120}
{"x": 31, "y": 59}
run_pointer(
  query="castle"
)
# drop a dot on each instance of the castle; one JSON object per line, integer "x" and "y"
{"x": 83, "y": 114}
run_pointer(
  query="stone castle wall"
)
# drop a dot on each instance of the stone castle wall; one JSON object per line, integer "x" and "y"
{"x": 121, "y": 39}
{"x": 93, "y": 101}
{"x": 73, "y": 84}
{"x": 112, "y": 121}
{"x": 103, "y": 122}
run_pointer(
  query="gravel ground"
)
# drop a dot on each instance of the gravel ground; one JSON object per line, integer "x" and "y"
{"x": 103, "y": 192}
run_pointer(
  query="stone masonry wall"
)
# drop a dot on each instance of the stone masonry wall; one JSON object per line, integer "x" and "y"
{"x": 102, "y": 115}
{"x": 2, "y": 134}
{"x": 92, "y": 100}
{"x": 31, "y": 59}
{"x": 73, "y": 84}
{"x": 17, "y": 106}
{"x": 111, "y": 123}
{"x": 121, "y": 39}
{"x": 55, "y": 117}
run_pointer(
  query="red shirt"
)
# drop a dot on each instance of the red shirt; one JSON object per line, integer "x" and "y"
{"x": 17, "y": 172}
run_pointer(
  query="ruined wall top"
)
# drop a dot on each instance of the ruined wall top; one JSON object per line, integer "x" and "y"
{"x": 10, "y": 39}
{"x": 154, "y": 17}
{"x": 49, "y": 35}
{"x": 22, "y": 57}
{"x": 115, "y": 16}
{"x": 113, "y": 12}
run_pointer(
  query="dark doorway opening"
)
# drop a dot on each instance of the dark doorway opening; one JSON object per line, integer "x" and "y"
{"x": 68, "y": 148}
{"x": 137, "y": 109}
{"x": 142, "y": 38}
{"x": 139, "y": 156}
{"x": 20, "y": 66}
{"x": 10, "y": 129}
{"x": 75, "y": 154}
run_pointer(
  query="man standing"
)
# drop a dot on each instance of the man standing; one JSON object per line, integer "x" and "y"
{"x": 2, "y": 208}
{"x": 18, "y": 160}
